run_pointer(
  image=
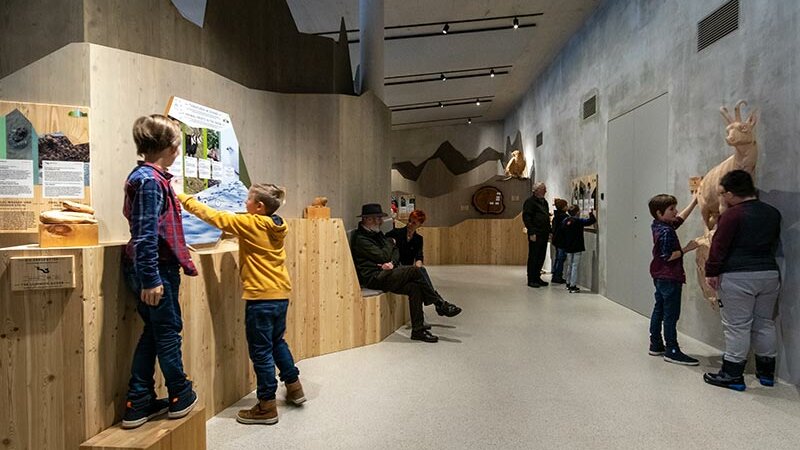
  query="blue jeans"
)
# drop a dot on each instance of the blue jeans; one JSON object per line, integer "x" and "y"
{"x": 265, "y": 323}
{"x": 668, "y": 310}
{"x": 161, "y": 337}
{"x": 571, "y": 267}
{"x": 558, "y": 263}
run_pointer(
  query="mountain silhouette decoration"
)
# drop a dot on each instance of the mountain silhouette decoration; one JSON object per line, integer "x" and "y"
{"x": 455, "y": 162}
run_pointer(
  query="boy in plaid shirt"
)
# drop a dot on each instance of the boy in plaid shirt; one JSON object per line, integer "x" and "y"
{"x": 151, "y": 263}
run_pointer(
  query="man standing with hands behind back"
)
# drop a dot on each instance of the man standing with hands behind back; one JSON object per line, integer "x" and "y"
{"x": 536, "y": 216}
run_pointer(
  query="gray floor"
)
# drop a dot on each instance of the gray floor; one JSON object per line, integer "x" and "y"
{"x": 519, "y": 368}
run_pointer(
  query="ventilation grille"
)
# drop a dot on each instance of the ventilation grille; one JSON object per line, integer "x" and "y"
{"x": 539, "y": 139}
{"x": 718, "y": 24}
{"x": 590, "y": 107}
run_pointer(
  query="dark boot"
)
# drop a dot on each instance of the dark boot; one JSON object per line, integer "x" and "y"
{"x": 729, "y": 376}
{"x": 765, "y": 370}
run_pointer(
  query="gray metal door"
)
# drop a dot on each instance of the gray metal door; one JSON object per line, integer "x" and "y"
{"x": 637, "y": 170}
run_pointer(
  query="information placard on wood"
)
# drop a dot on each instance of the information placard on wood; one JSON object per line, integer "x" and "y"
{"x": 42, "y": 272}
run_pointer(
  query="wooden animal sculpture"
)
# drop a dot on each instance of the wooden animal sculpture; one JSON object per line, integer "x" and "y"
{"x": 516, "y": 165}
{"x": 319, "y": 202}
{"x": 741, "y": 136}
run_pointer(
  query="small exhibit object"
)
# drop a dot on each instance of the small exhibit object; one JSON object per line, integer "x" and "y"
{"x": 42, "y": 272}
{"x": 694, "y": 184}
{"x": 318, "y": 210}
{"x": 488, "y": 200}
{"x": 68, "y": 234}
{"x": 516, "y": 165}
{"x": 72, "y": 226}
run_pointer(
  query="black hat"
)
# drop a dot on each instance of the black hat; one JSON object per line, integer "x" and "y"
{"x": 372, "y": 209}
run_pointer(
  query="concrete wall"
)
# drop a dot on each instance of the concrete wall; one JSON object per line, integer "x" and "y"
{"x": 633, "y": 50}
{"x": 441, "y": 193}
{"x": 314, "y": 144}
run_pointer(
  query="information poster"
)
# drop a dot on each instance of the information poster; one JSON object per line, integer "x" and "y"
{"x": 35, "y": 138}
{"x": 209, "y": 141}
{"x": 584, "y": 194}
{"x": 208, "y": 166}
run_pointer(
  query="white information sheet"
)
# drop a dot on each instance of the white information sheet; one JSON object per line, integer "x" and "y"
{"x": 62, "y": 179}
{"x": 204, "y": 168}
{"x": 217, "y": 170}
{"x": 16, "y": 178}
{"x": 190, "y": 167}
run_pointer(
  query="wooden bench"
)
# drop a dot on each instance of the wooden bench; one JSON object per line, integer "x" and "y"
{"x": 188, "y": 433}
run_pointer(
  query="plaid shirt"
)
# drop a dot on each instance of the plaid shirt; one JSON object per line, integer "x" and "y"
{"x": 665, "y": 242}
{"x": 154, "y": 215}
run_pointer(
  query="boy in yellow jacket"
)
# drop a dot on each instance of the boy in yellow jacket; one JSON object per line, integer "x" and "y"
{"x": 266, "y": 287}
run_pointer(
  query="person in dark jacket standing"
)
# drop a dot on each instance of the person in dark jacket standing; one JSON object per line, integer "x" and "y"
{"x": 378, "y": 267}
{"x": 741, "y": 266}
{"x": 536, "y": 216}
{"x": 559, "y": 214}
{"x": 573, "y": 245}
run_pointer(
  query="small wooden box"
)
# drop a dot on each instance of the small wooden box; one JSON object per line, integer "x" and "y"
{"x": 68, "y": 234}
{"x": 320, "y": 212}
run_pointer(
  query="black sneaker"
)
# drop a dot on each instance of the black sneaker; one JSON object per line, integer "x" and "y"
{"x": 729, "y": 376}
{"x": 765, "y": 370}
{"x": 183, "y": 405}
{"x": 676, "y": 356}
{"x": 558, "y": 281}
{"x": 423, "y": 335}
{"x": 542, "y": 282}
{"x": 656, "y": 349}
{"x": 137, "y": 417}
{"x": 534, "y": 284}
{"x": 574, "y": 290}
{"x": 447, "y": 309}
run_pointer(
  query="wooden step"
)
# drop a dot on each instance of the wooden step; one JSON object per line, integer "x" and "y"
{"x": 188, "y": 433}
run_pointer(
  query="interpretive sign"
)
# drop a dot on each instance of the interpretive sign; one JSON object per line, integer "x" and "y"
{"x": 42, "y": 272}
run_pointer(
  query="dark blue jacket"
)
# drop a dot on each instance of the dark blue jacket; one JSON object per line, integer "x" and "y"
{"x": 572, "y": 229}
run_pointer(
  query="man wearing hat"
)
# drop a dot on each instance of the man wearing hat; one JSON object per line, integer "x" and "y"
{"x": 376, "y": 259}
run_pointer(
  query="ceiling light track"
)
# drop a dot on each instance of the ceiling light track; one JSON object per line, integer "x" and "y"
{"x": 491, "y": 70}
{"x": 465, "y": 118}
{"x": 443, "y": 77}
{"x": 442, "y": 104}
{"x": 515, "y": 18}
{"x": 448, "y": 33}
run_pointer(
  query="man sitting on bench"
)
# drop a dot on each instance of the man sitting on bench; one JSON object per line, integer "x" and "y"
{"x": 376, "y": 259}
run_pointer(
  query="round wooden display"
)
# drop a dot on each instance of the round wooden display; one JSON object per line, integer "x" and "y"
{"x": 488, "y": 200}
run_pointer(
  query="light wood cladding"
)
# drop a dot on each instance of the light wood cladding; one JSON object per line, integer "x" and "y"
{"x": 75, "y": 345}
{"x": 188, "y": 433}
{"x": 477, "y": 241}
{"x": 31, "y": 30}
{"x": 255, "y": 43}
{"x": 315, "y": 145}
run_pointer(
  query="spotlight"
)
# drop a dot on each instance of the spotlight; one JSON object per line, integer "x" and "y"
{"x": 469, "y": 121}
{"x": 516, "y": 23}
{"x": 491, "y": 73}
{"x": 446, "y": 28}
{"x": 477, "y": 102}
{"x": 442, "y": 77}
{"x": 441, "y": 105}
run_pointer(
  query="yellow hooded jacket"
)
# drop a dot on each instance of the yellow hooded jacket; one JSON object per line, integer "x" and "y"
{"x": 262, "y": 257}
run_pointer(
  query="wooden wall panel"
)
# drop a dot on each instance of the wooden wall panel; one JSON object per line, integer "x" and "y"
{"x": 477, "y": 241}
{"x": 65, "y": 355}
{"x": 30, "y": 30}
{"x": 312, "y": 144}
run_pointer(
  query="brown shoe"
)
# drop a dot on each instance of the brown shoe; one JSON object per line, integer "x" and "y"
{"x": 264, "y": 412}
{"x": 294, "y": 393}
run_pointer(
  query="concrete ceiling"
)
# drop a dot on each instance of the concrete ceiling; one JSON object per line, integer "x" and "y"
{"x": 524, "y": 52}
